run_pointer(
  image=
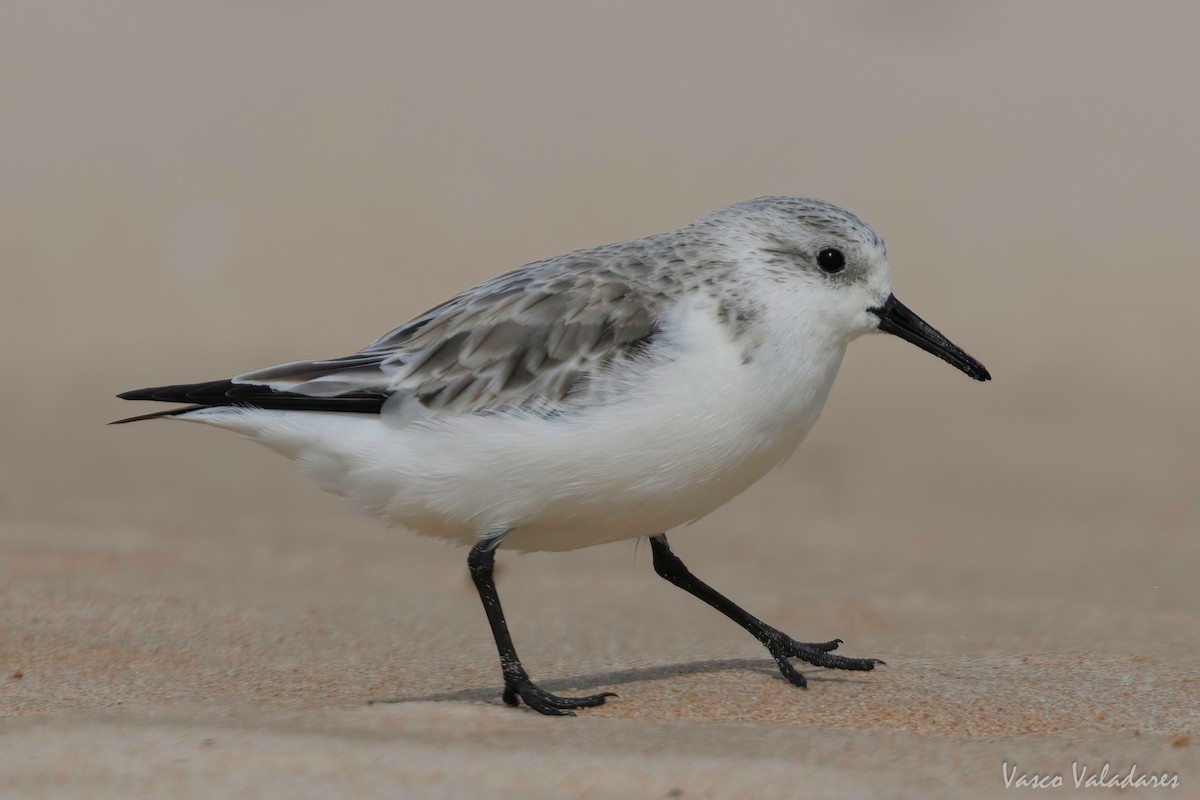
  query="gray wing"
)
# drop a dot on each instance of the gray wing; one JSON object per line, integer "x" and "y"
{"x": 530, "y": 338}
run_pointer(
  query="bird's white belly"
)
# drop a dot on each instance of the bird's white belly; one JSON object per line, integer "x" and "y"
{"x": 672, "y": 450}
{"x": 632, "y": 480}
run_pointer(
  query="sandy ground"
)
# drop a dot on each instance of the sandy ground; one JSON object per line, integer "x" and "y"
{"x": 190, "y": 194}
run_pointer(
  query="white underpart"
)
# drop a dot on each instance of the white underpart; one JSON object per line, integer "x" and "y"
{"x": 693, "y": 431}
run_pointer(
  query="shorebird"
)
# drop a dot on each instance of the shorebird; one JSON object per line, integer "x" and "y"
{"x": 610, "y": 393}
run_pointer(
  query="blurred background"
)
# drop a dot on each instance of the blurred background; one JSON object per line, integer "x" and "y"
{"x": 189, "y": 191}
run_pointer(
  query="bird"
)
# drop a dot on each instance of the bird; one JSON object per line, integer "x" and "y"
{"x": 615, "y": 392}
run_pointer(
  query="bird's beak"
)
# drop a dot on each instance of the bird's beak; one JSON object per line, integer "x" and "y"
{"x": 895, "y": 317}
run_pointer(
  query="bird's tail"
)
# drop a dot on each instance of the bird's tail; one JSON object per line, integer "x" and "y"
{"x": 247, "y": 395}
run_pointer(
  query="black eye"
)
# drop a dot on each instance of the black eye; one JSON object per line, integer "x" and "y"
{"x": 831, "y": 261}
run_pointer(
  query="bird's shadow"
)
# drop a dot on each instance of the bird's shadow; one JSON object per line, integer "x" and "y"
{"x": 624, "y": 676}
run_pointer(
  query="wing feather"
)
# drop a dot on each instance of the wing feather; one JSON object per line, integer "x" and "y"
{"x": 531, "y": 338}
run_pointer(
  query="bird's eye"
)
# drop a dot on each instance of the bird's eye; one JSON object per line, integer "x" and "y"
{"x": 831, "y": 260}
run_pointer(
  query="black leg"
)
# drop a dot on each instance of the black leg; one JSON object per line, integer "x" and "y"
{"x": 780, "y": 645}
{"x": 517, "y": 686}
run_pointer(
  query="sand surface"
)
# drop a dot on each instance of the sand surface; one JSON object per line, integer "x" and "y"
{"x": 188, "y": 194}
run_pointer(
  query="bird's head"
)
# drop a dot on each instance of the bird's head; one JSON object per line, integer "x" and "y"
{"x": 834, "y": 263}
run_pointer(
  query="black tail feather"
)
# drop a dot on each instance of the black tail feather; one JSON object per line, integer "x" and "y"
{"x": 228, "y": 393}
{"x": 170, "y": 412}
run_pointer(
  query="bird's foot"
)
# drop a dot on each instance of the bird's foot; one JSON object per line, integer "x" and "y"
{"x": 819, "y": 654}
{"x": 519, "y": 688}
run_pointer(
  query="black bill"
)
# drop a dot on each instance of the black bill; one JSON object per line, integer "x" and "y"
{"x": 895, "y": 317}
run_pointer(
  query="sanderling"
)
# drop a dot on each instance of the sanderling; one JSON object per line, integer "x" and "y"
{"x": 610, "y": 393}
